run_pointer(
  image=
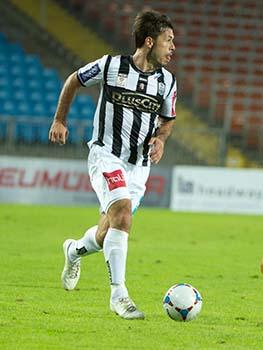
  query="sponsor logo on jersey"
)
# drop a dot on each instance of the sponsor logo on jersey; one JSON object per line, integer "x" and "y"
{"x": 115, "y": 179}
{"x": 121, "y": 79}
{"x": 143, "y": 103}
{"x": 89, "y": 73}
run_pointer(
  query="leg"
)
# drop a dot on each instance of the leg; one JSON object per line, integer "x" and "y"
{"x": 116, "y": 245}
{"x": 103, "y": 226}
{"x": 115, "y": 251}
{"x": 90, "y": 243}
{"x": 120, "y": 215}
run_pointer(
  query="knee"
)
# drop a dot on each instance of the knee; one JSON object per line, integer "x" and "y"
{"x": 120, "y": 216}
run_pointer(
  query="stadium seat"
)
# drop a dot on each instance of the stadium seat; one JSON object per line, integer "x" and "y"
{"x": 8, "y": 108}
{"x": 51, "y": 96}
{"x": 36, "y": 95}
{"x": 24, "y": 109}
{"x": 40, "y": 109}
{"x": 28, "y": 89}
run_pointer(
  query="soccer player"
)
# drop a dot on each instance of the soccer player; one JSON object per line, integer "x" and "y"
{"x": 134, "y": 117}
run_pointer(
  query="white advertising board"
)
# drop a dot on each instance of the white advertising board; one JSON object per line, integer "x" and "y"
{"x": 212, "y": 189}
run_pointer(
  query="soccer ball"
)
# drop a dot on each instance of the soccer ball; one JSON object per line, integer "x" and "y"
{"x": 182, "y": 302}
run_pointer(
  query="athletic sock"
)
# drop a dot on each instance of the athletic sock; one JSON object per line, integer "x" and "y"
{"x": 84, "y": 246}
{"x": 115, "y": 248}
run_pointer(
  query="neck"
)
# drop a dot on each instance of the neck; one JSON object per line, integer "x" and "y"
{"x": 143, "y": 61}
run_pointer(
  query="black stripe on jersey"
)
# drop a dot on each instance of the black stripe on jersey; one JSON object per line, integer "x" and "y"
{"x": 136, "y": 125}
{"x": 106, "y": 68}
{"x": 116, "y": 129}
{"x": 147, "y": 139}
{"x": 102, "y": 114}
{"x": 118, "y": 112}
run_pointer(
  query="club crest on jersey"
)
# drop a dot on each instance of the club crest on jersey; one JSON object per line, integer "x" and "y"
{"x": 121, "y": 79}
{"x": 161, "y": 88}
{"x": 141, "y": 86}
{"x": 115, "y": 179}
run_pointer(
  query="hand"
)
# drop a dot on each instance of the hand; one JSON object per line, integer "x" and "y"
{"x": 156, "y": 149}
{"x": 58, "y": 133}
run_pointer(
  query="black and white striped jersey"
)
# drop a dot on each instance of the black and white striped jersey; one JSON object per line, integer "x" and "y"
{"x": 129, "y": 103}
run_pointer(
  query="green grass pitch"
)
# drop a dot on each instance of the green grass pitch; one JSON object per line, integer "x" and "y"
{"x": 218, "y": 254}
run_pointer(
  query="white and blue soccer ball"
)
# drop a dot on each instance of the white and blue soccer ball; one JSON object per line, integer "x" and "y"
{"x": 182, "y": 302}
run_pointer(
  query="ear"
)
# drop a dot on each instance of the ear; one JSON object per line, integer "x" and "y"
{"x": 149, "y": 42}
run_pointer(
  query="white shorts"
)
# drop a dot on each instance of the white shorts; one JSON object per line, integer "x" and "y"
{"x": 112, "y": 179}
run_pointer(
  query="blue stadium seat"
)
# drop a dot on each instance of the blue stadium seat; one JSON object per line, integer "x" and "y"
{"x": 50, "y": 74}
{"x": 52, "y": 96}
{"x": 35, "y": 84}
{"x": 16, "y": 58}
{"x": 5, "y": 94}
{"x": 84, "y": 99}
{"x": 73, "y": 135}
{"x": 87, "y": 112}
{"x": 24, "y": 109}
{"x": 27, "y": 89}
{"x": 40, "y": 109}
{"x": 17, "y": 71}
{"x": 18, "y": 82}
{"x": 36, "y": 96}
{"x": 4, "y": 66}
{"x": 32, "y": 60}
{"x": 73, "y": 112}
{"x": 8, "y": 107}
{"x": 33, "y": 71}
{"x": 20, "y": 95}
{"x": 26, "y": 132}
{"x": 4, "y": 82}
{"x": 52, "y": 85}
{"x": 42, "y": 134}
{"x": 52, "y": 108}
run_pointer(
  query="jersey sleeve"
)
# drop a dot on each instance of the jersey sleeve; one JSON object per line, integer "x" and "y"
{"x": 92, "y": 73}
{"x": 168, "y": 107}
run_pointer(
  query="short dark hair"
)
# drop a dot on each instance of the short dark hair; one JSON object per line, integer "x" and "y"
{"x": 149, "y": 23}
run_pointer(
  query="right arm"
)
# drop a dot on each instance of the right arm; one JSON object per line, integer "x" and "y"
{"x": 58, "y": 132}
{"x": 90, "y": 74}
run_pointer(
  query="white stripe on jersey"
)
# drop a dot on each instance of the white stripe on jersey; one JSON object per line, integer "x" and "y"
{"x": 152, "y": 87}
{"x": 132, "y": 79}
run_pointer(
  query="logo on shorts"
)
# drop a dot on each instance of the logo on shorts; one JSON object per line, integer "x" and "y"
{"x": 115, "y": 179}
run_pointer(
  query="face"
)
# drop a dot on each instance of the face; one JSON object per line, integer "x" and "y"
{"x": 163, "y": 48}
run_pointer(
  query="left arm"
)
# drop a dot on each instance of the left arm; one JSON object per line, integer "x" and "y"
{"x": 166, "y": 119}
{"x": 157, "y": 142}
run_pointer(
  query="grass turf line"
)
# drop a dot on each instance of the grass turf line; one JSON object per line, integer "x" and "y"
{"x": 218, "y": 254}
